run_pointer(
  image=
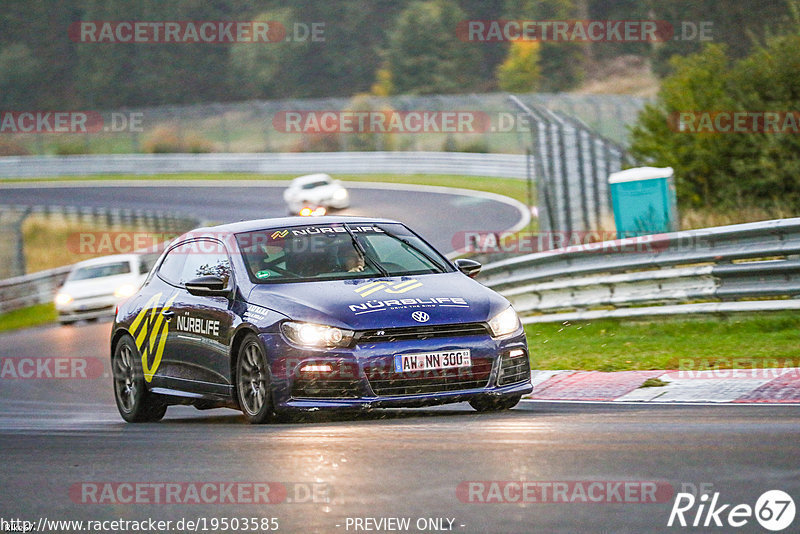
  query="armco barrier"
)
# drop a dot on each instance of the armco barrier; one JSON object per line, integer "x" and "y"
{"x": 745, "y": 267}
{"x": 495, "y": 165}
{"x": 36, "y": 288}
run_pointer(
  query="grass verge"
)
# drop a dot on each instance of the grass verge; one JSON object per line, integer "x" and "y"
{"x": 27, "y": 317}
{"x": 51, "y": 241}
{"x": 764, "y": 340}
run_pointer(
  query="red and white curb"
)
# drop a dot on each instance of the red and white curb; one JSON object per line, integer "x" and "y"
{"x": 756, "y": 386}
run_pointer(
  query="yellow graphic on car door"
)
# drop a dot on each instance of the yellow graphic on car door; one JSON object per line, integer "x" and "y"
{"x": 150, "y": 329}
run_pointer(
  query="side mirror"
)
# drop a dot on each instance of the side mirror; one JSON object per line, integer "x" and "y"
{"x": 207, "y": 286}
{"x": 469, "y": 267}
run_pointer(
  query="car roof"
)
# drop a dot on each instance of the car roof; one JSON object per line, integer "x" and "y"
{"x": 280, "y": 222}
{"x": 106, "y": 259}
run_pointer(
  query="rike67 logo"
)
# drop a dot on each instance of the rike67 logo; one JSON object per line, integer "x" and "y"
{"x": 774, "y": 510}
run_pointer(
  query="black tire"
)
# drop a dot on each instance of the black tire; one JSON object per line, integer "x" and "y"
{"x": 495, "y": 404}
{"x": 134, "y": 402}
{"x": 66, "y": 323}
{"x": 253, "y": 382}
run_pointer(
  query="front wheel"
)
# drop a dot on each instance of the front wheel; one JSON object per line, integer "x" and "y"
{"x": 495, "y": 404}
{"x": 134, "y": 402}
{"x": 253, "y": 382}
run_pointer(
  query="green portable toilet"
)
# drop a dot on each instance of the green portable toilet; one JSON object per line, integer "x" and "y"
{"x": 644, "y": 201}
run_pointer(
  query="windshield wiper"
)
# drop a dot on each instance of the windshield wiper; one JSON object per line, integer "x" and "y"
{"x": 363, "y": 253}
{"x": 416, "y": 249}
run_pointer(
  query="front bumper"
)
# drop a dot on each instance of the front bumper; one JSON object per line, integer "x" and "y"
{"x": 363, "y": 377}
{"x": 88, "y": 308}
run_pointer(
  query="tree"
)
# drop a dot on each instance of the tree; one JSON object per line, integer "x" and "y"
{"x": 699, "y": 84}
{"x": 19, "y": 70}
{"x": 739, "y": 24}
{"x": 562, "y": 64}
{"x": 424, "y": 55}
{"x": 270, "y": 70}
{"x": 728, "y": 170}
{"x": 520, "y": 72}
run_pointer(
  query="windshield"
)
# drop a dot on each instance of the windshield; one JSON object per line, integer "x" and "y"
{"x": 337, "y": 251}
{"x": 100, "y": 271}
{"x": 314, "y": 185}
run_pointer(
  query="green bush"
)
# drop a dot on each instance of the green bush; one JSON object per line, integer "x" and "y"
{"x": 727, "y": 170}
{"x": 12, "y": 148}
{"x": 477, "y": 146}
{"x": 166, "y": 140}
{"x": 72, "y": 147}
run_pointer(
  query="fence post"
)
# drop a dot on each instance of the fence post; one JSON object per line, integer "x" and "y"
{"x": 20, "y": 242}
{"x": 582, "y": 175}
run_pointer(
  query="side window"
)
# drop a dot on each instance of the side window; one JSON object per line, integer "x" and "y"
{"x": 171, "y": 267}
{"x": 146, "y": 262}
{"x": 194, "y": 259}
{"x": 205, "y": 258}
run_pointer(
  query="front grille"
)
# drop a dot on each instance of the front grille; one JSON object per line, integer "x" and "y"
{"x": 380, "y": 335}
{"x": 386, "y": 382}
{"x": 340, "y": 383}
{"x": 513, "y": 369}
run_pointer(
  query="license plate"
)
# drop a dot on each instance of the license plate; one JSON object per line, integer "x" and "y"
{"x": 446, "y": 359}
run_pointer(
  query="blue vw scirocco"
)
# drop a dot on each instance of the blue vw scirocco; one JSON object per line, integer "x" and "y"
{"x": 280, "y": 315}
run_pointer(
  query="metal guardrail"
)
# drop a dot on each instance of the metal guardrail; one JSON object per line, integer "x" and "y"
{"x": 494, "y": 165}
{"x": 40, "y": 287}
{"x": 746, "y": 267}
{"x": 36, "y": 288}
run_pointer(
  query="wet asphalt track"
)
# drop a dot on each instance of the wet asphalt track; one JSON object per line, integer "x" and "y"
{"x": 438, "y": 217}
{"x": 56, "y": 433}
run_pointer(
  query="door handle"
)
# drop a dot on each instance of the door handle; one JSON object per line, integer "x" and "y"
{"x": 168, "y": 314}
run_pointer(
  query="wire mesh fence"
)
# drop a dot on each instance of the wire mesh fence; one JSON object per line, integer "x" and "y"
{"x": 261, "y": 126}
{"x": 63, "y": 223}
{"x": 572, "y": 142}
{"x": 570, "y": 163}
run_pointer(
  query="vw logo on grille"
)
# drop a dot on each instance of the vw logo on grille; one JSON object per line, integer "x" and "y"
{"x": 420, "y": 317}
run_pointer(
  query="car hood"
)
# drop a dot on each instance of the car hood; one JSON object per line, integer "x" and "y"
{"x": 95, "y": 287}
{"x": 383, "y": 302}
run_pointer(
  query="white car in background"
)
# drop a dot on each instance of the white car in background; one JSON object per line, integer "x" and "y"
{"x": 306, "y": 194}
{"x": 94, "y": 287}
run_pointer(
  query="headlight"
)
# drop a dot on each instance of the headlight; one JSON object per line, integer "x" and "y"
{"x": 124, "y": 291}
{"x": 316, "y": 335}
{"x": 504, "y": 323}
{"x": 62, "y": 299}
{"x": 340, "y": 194}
